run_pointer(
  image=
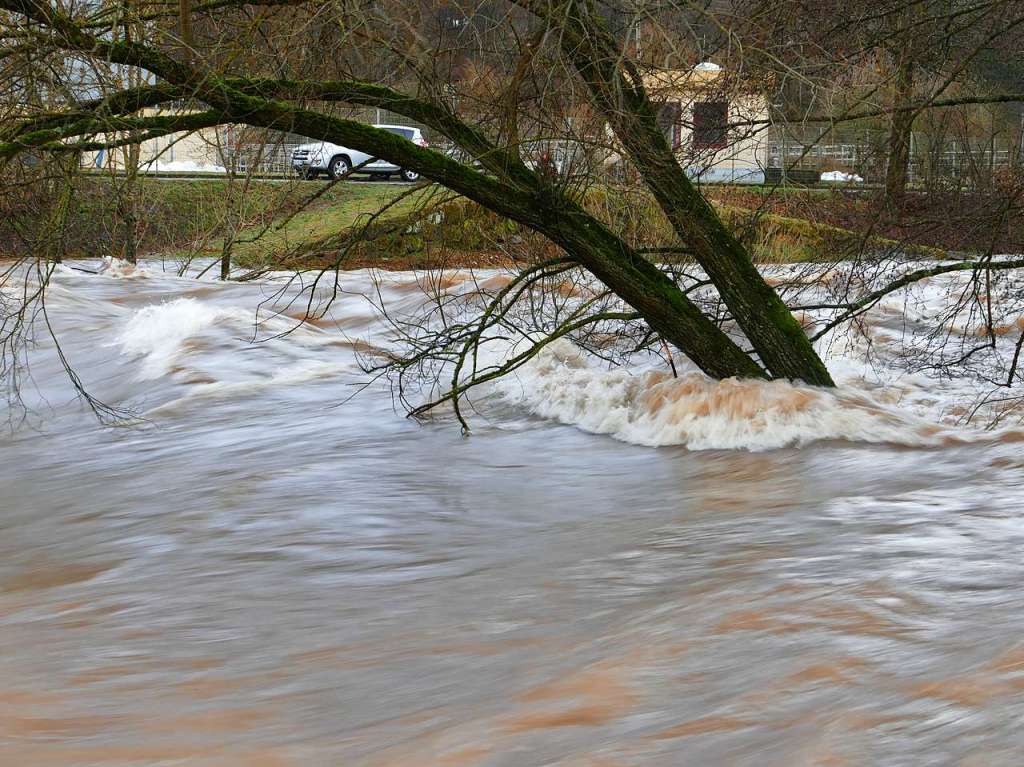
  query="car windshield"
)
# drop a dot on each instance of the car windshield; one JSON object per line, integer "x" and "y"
{"x": 404, "y": 132}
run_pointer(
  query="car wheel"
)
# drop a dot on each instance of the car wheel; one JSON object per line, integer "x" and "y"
{"x": 339, "y": 167}
{"x": 409, "y": 175}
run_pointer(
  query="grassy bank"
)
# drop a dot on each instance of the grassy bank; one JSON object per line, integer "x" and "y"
{"x": 318, "y": 230}
{"x": 356, "y": 224}
{"x": 167, "y": 214}
{"x": 182, "y": 217}
{"x": 440, "y": 230}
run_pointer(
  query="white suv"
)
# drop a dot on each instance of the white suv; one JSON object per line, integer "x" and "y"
{"x": 310, "y": 160}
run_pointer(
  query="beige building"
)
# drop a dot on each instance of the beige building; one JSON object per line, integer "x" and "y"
{"x": 189, "y": 151}
{"x": 705, "y": 115}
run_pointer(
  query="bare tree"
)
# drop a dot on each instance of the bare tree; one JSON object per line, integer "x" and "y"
{"x": 511, "y": 188}
{"x": 496, "y": 80}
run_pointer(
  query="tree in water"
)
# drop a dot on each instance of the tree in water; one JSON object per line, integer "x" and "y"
{"x": 504, "y": 184}
{"x": 488, "y": 80}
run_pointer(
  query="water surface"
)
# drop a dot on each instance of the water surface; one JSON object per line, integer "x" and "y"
{"x": 259, "y": 575}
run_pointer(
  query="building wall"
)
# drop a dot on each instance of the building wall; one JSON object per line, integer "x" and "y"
{"x": 177, "y": 151}
{"x": 201, "y": 147}
{"x": 744, "y": 153}
{"x": 195, "y": 150}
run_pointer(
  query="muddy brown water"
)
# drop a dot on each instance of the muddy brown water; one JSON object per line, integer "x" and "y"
{"x": 261, "y": 576}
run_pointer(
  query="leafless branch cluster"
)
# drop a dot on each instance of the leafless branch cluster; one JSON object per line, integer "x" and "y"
{"x": 594, "y": 129}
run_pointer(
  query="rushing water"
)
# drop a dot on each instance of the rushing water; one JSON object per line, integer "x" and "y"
{"x": 268, "y": 572}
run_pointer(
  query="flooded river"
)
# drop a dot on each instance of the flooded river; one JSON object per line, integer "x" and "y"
{"x": 268, "y": 572}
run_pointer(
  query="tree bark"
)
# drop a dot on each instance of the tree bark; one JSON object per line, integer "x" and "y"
{"x": 897, "y": 169}
{"x": 57, "y": 231}
{"x": 647, "y": 289}
{"x": 766, "y": 321}
{"x": 185, "y": 27}
{"x": 618, "y": 93}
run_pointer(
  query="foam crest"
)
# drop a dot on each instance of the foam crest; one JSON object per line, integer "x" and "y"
{"x": 302, "y": 372}
{"x": 652, "y": 408}
{"x": 158, "y": 332}
{"x": 119, "y": 269}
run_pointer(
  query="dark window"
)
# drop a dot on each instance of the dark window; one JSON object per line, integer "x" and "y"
{"x": 403, "y": 132}
{"x": 710, "y": 125}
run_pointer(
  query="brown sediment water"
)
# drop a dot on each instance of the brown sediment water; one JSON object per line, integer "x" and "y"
{"x": 261, "y": 576}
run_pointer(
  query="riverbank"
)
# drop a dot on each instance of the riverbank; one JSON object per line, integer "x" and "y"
{"x": 359, "y": 224}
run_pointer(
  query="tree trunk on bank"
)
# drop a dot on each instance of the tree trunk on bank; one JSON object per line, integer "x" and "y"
{"x": 57, "y": 230}
{"x": 126, "y": 208}
{"x": 766, "y": 321}
{"x": 129, "y": 223}
{"x": 647, "y": 289}
{"x": 230, "y": 226}
{"x": 126, "y": 195}
{"x": 897, "y": 170}
{"x": 185, "y": 28}
{"x": 225, "y": 260}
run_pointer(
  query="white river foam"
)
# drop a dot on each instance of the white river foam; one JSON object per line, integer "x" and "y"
{"x": 158, "y": 332}
{"x": 878, "y": 399}
{"x": 652, "y": 408}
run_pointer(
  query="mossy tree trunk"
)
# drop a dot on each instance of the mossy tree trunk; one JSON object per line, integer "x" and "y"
{"x": 508, "y": 187}
{"x": 617, "y": 90}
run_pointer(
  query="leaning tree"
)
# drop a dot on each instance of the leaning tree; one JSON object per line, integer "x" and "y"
{"x": 180, "y": 66}
{"x": 485, "y": 76}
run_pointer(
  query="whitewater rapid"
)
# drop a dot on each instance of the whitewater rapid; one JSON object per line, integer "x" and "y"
{"x": 211, "y": 340}
{"x": 655, "y": 409}
{"x": 266, "y": 563}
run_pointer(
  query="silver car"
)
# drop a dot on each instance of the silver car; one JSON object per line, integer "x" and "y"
{"x": 310, "y": 160}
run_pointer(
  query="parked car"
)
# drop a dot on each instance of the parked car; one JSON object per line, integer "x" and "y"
{"x": 310, "y": 160}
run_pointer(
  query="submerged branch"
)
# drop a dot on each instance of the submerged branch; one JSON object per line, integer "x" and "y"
{"x": 519, "y": 360}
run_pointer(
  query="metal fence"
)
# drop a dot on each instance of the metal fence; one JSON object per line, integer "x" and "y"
{"x": 801, "y": 147}
{"x": 269, "y": 159}
{"x": 853, "y": 155}
{"x": 865, "y": 152}
{"x": 964, "y": 165}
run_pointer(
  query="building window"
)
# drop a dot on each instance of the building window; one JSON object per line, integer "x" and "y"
{"x": 710, "y": 125}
